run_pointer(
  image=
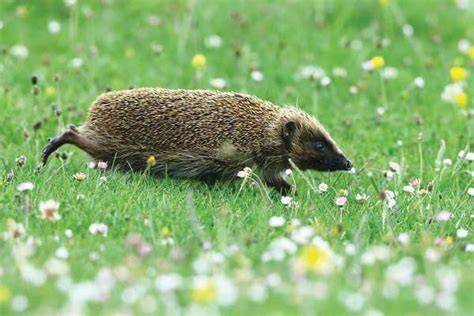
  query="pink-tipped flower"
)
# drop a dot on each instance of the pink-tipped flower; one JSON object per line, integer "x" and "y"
{"x": 341, "y": 201}
{"x": 395, "y": 167}
{"x": 443, "y": 216}
{"x": 99, "y": 229}
{"x": 133, "y": 240}
{"x": 404, "y": 238}
{"x": 25, "y": 187}
{"x": 102, "y": 165}
{"x": 145, "y": 249}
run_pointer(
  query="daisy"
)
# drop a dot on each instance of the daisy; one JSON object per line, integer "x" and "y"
{"x": 361, "y": 197}
{"x": 341, "y": 201}
{"x": 19, "y": 51}
{"x": 276, "y": 221}
{"x": 286, "y": 200}
{"x": 80, "y": 176}
{"x": 168, "y": 282}
{"x": 325, "y": 81}
{"x": 409, "y": 189}
{"x": 102, "y": 165}
{"x": 54, "y": 27}
{"x": 257, "y": 75}
{"x": 217, "y": 83}
{"x": 395, "y": 167}
{"x": 470, "y": 191}
{"x": 403, "y": 238}
{"x": 323, "y": 187}
{"x": 419, "y": 82}
{"x": 214, "y": 41}
{"x": 49, "y": 210}
{"x": 99, "y": 229}
{"x": 464, "y": 46}
{"x": 447, "y": 162}
{"x": 408, "y": 30}
{"x": 76, "y": 63}
{"x": 389, "y": 73}
{"x": 68, "y": 233}
{"x": 443, "y": 216}
{"x": 461, "y": 233}
{"x": 25, "y": 186}
{"x": 311, "y": 73}
{"x": 376, "y": 62}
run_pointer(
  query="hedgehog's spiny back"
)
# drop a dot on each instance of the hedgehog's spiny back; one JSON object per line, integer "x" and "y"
{"x": 171, "y": 120}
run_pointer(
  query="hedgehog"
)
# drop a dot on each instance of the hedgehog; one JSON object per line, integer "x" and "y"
{"x": 202, "y": 134}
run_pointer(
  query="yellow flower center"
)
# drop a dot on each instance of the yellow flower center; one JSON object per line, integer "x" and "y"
{"x": 470, "y": 53}
{"x": 5, "y": 294}
{"x": 384, "y": 3}
{"x": 80, "y": 176}
{"x": 165, "y": 232}
{"x": 151, "y": 161}
{"x": 458, "y": 73}
{"x": 313, "y": 257}
{"x": 461, "y": 99}
{"x": 199, "y": 61}
{"x": 50, "y": 91}
{"x": 378, "y": 62}
{"x": 449, "y": 240}
{"x": 205, "y": 293}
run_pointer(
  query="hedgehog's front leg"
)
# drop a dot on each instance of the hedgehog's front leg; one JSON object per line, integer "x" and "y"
{"x": 277, "y": 182}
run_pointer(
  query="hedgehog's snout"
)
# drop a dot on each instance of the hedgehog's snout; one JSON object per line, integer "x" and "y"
{"x": 347, "y": 164}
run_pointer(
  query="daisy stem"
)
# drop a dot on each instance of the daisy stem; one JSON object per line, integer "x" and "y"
{"x": 384, "y": 216}
{"x": 26, "y": 210}
{"x": 240, "y": 189}
{"x": 384, "y": 92}
{"x": 262, "y": 189}
{"x": 420, "y": 153}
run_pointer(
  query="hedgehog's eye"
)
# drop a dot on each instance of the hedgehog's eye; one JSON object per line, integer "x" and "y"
{"x": 320, "y": 146}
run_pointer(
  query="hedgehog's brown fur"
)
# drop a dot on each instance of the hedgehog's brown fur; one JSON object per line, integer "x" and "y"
{"x": 192, "y": 133}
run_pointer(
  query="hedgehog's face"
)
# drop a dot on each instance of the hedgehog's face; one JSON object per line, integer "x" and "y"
{"x": 311, "y": 147}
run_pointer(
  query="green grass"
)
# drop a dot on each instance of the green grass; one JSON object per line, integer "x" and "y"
{"x": 114, "y": 39}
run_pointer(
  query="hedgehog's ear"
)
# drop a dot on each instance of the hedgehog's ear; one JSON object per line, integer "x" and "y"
{"x": 288, "y": 132}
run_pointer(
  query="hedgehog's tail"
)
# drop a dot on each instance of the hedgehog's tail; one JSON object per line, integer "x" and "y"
{"x": 70, "y": 136}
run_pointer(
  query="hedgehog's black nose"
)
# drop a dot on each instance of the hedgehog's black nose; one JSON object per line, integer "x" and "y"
{"x": 348, "y": 164}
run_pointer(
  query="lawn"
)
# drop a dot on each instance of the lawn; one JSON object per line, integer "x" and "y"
{"x": 392, "y": 81}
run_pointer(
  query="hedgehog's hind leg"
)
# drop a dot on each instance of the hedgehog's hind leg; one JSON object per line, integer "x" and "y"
{"x": 277, "y": 182}
{"x": 71, "y": 136}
